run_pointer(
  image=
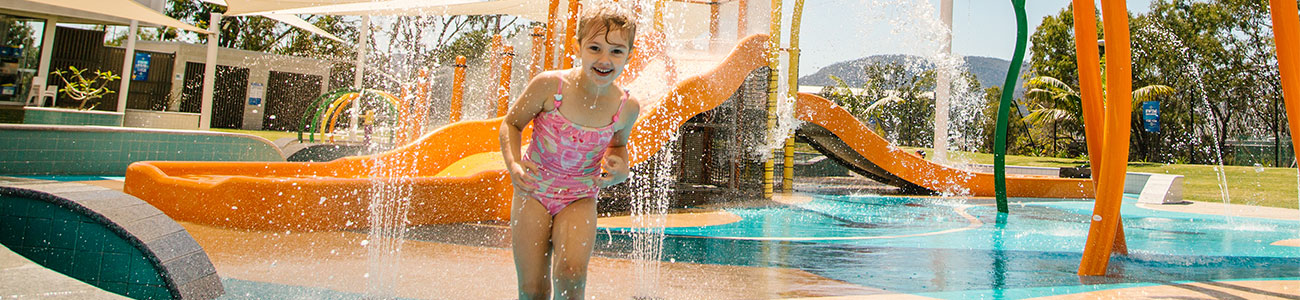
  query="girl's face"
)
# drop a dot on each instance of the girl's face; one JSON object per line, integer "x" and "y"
{"x": 604, "y": 55}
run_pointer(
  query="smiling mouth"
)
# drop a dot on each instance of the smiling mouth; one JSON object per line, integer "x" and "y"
{"x": 602, "y": 72}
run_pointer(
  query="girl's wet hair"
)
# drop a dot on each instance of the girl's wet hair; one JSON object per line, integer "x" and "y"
{"x": 601, "y": 18}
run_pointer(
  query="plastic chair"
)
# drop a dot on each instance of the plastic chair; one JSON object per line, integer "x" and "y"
{"x": 40, "y": 92}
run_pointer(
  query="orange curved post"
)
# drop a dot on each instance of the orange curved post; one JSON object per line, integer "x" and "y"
{"x": 535, "y": 65}
{"x": 1110, "y": 181}
{"x": 457, "y": 90}
{"x": 571, "y": 42}
{"x": 1286, "y": 35}
{"x": 503, "y": 90}
{"x": 1089, "y": 66}
{"x": 551, "y": 23}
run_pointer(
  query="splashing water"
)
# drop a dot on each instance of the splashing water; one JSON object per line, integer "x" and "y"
{"x": 390, "y": 195}
{"x": 651, "y": 190}
{"x": 1207, "y": 110}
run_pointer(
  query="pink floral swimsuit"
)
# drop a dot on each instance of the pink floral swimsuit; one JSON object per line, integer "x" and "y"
{"x": 568, "y": 156}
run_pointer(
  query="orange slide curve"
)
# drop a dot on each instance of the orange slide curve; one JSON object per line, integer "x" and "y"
{"x": 452, "y": 174}
{"x": 838, "y": 134}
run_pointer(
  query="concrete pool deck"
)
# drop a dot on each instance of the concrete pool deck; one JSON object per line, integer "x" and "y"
{"x": 337, "y": 261}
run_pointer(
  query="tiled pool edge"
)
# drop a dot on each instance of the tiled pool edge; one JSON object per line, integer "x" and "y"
{"x": 167, "y": 249}
{"x": 101, "y": 150}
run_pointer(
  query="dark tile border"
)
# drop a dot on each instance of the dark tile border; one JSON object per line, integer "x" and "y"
{"x": 185, "y": 268}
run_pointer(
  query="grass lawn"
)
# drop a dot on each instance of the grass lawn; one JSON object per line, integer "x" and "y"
{"x": 1274, "y": 187}
{"x": 270, "y": 135}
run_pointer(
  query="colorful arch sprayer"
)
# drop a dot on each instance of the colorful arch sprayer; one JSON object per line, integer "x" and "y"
{"x": 456, "y": 175}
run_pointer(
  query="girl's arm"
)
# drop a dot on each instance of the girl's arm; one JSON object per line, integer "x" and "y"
{"x": 616, "y": 163}
{"x": 518, "y": 117}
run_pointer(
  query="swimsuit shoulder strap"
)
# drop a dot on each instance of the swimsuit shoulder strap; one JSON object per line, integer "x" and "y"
{"x": 620, "y": 106}
{"x": 559, "y": 91}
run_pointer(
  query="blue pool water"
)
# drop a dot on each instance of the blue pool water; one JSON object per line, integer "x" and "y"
{"x": 947, "y": 249}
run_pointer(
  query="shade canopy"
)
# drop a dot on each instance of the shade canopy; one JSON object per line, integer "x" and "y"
{"x": 295, "y": 21}
{"x": 693, "y": 16}
{"x": 126, "y": 9}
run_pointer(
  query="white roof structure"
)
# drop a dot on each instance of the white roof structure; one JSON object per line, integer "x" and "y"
{"x": 99, "y": 11}
{"x": 536, "y": 10}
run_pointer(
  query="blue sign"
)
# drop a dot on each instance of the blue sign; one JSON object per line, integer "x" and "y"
{"x": 141, "y": 70}
{"x": 1151, "y": 116}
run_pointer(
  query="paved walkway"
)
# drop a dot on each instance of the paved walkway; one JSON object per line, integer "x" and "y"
{"x": 21, "y": 278}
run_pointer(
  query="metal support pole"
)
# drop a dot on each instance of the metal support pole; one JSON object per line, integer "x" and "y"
{"x": 209, "y": 73}
{"x": 942, "y": 90}
{"x": 127, "y": 62}
{"x": 358, "y": 77}
{"x": 47, "y": 53}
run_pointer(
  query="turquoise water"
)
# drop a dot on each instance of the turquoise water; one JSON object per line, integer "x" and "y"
{"x": 932, "y": 247}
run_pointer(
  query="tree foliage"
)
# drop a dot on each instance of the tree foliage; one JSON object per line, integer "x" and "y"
{"x": 1210, "y": 64}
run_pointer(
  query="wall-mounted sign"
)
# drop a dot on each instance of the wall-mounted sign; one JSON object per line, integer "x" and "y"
{"x": 141, "y": 70}
{"x": 255, "y": 93}
{"x": 1151, "y": 116}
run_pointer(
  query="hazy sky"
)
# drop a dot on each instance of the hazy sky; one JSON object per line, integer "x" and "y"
{"x": 838, "y": 30}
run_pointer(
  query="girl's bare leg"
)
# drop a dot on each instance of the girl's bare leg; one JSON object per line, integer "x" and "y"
{"x": 574, "y": 235}
{"x": 530, "y": 238}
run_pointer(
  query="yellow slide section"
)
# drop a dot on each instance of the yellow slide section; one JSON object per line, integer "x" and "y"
{"x": 452, "y": 174}
{"x": 864, "y": 150}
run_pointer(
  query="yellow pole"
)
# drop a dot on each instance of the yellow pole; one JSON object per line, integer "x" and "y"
{"x": 571, "y": 42}
{"x": 457, "y": 90}
{"x": 773, "y": 62}
{"x": 503, "y": 90}
{"x": 787, "y": 177}
{"x": 1286, "y": 35}
{"x": 535, "y": 66}
{"x": 1110, "y": 183}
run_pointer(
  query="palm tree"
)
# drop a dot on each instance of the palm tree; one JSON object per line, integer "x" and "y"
{"x": 1052, "y": 102}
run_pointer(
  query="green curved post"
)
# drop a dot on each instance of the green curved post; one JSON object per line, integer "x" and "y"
{"x": 1004, "y": 108}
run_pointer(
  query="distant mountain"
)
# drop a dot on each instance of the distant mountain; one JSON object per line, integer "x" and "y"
{"x": 989, "y": 71}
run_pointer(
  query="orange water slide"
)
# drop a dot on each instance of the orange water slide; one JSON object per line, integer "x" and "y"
{"x": 838, "y": 134}
{"x": 452, "y": 174}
